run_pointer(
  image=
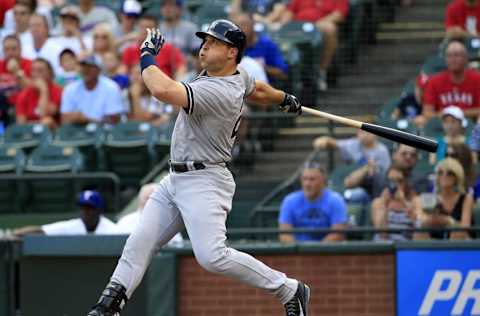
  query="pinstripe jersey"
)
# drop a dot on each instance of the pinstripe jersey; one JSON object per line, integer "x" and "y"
{"x": 206, "y": 128}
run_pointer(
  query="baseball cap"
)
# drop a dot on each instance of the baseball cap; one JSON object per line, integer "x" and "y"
{"x": 70, "y": 11}
{"x": 91, "y": 60}
{"x": 132, "y": 8}
{"x": 90, "y": 198}
{"x": 456, "y": 112}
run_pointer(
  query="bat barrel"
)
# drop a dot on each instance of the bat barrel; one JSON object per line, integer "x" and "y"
{"x": 401, "y": 137}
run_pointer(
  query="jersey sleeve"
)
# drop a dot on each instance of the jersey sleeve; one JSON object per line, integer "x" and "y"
{"x": 205, "y": 97}
{"x": 286, "y": 211}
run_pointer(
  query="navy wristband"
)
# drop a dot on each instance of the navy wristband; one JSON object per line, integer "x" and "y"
{"x": 146, "y": 61}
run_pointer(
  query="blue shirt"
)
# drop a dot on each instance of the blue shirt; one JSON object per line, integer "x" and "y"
{"x": 265, "y": 48}
{"x": 105, "y": 99}
{"x": 328, "y": 210}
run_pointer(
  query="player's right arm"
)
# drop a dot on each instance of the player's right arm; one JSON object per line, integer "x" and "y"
{"x": 265, "y": 94}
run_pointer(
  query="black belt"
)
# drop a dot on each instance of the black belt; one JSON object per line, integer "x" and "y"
{"x": 183, "y": 167}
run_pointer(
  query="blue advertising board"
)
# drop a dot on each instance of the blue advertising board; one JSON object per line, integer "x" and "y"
{"x": 438, "y": 282}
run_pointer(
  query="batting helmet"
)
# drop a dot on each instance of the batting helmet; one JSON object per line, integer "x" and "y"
{"x": 227, "y": 32}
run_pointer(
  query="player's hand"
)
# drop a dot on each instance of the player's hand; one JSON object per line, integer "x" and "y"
{"x": 152, "y": 43}
{"x": 291, "y": 104}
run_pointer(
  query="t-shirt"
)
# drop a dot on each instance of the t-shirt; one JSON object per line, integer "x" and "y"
{"x": 49, "y": 51}
{"x": 9, "y": 85}
{"x": 460, "y": 14}
{"x": 168, "y": 60}
{"x": 327, "y": 210}
{"x": 441, "y": 92}
{"x": 181, "y": 35}
{"x": 314, "y": 10}
{"x": 73, "y": 43}
{"x": 268, "y": 51}
{"x": 5, "y": 5}
{"x": 254, "y": 68}
{"x": 27, "y": 102}
{"x": 105, "y": 99}
{"x": 77, "y": 227}
{"x": 352, "y": 151}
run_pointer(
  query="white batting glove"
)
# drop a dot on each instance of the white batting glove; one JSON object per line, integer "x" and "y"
{"x": 153, "y": 42}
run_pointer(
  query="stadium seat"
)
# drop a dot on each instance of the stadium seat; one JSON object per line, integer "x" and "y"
{"x": 87, "y": 138}
{"x": 161, "y": 141}
{"x": 433, "y": 65}
{"x": 26, "y": 136}
{"x": 12, "y": 161}
{"x": 351, "y": 32}
{"x": 128, "y": 151}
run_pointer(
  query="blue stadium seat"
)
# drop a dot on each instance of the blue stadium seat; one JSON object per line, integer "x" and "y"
{"x": 26, "y": 136}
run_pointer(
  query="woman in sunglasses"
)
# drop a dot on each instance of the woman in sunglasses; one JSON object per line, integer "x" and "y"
{"x": 454, "y": 203}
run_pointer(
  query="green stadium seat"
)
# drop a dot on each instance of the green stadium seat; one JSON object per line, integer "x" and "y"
{"x": 387, "y": 110}
{"x": 128, "y": 151}
{"x": 161, "y": 141}
{"x": 26, "y": 136}
{"x": 207, "y": 13}
{"x": 338, "y": 175}
{"x": 433, "y": 65}
{"x": 12, "y": 161}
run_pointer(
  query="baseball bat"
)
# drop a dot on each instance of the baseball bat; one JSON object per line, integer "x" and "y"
{"x": 382, "y": 131}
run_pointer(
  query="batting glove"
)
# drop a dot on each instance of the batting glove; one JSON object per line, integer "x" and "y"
{"x": 291, "y": 104}
{"x": 153, "y": 42}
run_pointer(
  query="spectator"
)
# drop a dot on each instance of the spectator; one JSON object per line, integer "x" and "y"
{"x": 410, "y": 106}
{"x": 111, "y": 62}
{"x": 262, "y": 48}
{"x": 454, "y": 124}
{"x": 258, "y": 7}
{"x": 95, "y": 98}
{"x": 39, "y": 7}
{"x": 170, "y": 59}
{"x": 405, "y": 158}
{"x": 22, "y": 11}
{"x": 126, "y": 32}
{"x": 254, "y": 68}
{"x": 70, "y": 35}
{"x": 327, "y": 15}
{"x": 91, "y": 15}
{"x": 143, "y": 106}
{"x": 457, "y": 86}
{"x": 365, "y": 151}
{"x": 129, "y": 222}
{"x": 178, "y": 32}
{"x": 454, "y": 206}
{"x": 91, "y": 220}
{"x": 40, "y": 101}
{"x": 195, "y": 68}
{"x": 397, "y": 207}
{"x": 467, "y": 159}
{"x": 69, "y": 68}
{"x": 103, "y": 41}
{"x": 462, "y": 19}
{"x": 42, "y": 46}
{"x": 5, "y": 5}
{"x": 315, "y": 206}
{"x": 14, "y": 69}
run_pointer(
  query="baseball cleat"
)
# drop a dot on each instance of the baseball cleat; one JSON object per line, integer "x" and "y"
{"x": 111, "y": 301}
{"x": 298, "y": 305}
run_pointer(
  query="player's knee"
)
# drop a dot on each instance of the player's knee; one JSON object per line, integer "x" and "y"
{"x": 212, "y": 260}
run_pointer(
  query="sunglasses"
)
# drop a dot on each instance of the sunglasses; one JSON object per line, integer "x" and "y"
{"x": 448, "y": 173}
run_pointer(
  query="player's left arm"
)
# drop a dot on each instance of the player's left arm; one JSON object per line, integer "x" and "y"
{"x": 265, "y": 94}
{"x": 160, "y": 85}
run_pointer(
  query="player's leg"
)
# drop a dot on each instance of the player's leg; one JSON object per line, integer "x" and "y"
{"x": 159, "y": 222}
{"x": 204, "y": 199}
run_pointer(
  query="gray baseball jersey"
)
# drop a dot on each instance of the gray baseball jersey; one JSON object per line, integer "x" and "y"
{"x": 205, "y": 130}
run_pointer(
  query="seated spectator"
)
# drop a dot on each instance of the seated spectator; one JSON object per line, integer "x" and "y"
{"x": 38, "y": 6}
{"x": 257, "y": 7}
{"x": 262, "y": 48}
{"x": 405, "y": 158}
{"x": 91, "y": 220}
{"x": 178, "y": 32}
{"x": 69, "y": 68}
{"x": 370, "y": 155}
{"x": 454, "y": 204}
{"x": 326, "y": 15}
{"x": 103, "y": 42}
{"x": 128, "y": 223}
{"x": 397, "y": 207}
{"x": 453, "y": 123}
{"x": 70, "y": 35}
{"x": 111, "y": 63}
{"x": 143, "y": 106}
{"x": 40, "y": 101}
{"x": 42, "y": 46}
{"x": 22, "y": 11}
{"x": 95, "y": 98}
{"x": 315, "y": 206}
{"x": 457, "y": 86}
{"x": 462, "y": 19}
{"x": 467, "y": 159}
{"x": 170, "y": 59}
{"x": 14, "y": 69}
{"x": 91, "y": 15}
{"x": 410, "y": 106}
{"x": 126, "y": 33}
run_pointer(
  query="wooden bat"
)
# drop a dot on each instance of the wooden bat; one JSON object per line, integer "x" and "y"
{"x": 382, "y": 131}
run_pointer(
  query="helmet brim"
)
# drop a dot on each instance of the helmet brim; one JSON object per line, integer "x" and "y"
{"x": 222, "y": 38}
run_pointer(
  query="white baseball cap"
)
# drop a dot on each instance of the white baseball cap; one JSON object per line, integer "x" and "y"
{"x": 456, "y": 112}
{"x": 132, "y": 8}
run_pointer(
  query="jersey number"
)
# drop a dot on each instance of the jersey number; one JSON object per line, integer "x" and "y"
{"x": 236, "y": 127}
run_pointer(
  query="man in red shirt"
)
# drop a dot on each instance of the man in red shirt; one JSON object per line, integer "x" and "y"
{"x": 14, "y": 70}
{"x": 170, "y": 59}
{"x": 462, "y": 18}
{"x": 40, "y": 101}
{"x": 458, "y": 85}
{"x": 326, "y": 15}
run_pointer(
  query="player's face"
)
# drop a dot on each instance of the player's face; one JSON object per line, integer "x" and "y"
{"x": 215, "y": 54}
{"x": 313, "y": 181}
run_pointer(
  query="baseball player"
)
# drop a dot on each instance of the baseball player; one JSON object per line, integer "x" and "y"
{"x": 197, "y": 194}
